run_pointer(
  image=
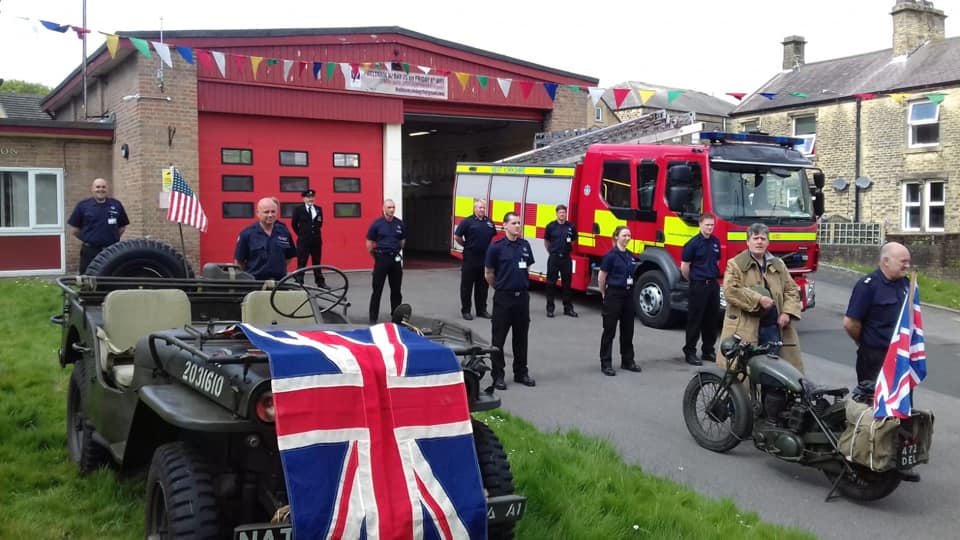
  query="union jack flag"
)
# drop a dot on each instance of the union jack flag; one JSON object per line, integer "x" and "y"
{"x": 184, "y": 204}
{"x": 905, "y": 364}
{"x": 374, "y": 433}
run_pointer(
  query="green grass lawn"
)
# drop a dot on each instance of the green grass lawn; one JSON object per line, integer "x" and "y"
{"x": 936, "y": 291}
{"x": 577, "y": 487}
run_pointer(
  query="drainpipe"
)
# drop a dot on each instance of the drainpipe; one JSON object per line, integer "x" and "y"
{"x": 856, "y": 165}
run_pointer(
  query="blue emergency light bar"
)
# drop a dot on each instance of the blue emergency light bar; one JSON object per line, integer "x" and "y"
{"x": 720, "y": 137}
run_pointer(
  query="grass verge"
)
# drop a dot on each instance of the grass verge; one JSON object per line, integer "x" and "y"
{"x": 936, "y": 291}
{"x": 577, "y": 487}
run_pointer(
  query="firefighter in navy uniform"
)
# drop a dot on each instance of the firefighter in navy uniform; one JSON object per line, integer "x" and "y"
{"x": 98, "y": 222}
{"x": 874, "y": 309}
{"x": 474, "y": 234}
{"x": 617, "y": 268}
{"x": 506, "y": 269}
{"x": 385, "y": 239}
{"x": 307, "y": 220}
{"x": 699, "y": 266}
{"x": 558, "y": 238}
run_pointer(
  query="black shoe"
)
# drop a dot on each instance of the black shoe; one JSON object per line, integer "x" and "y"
{"x": 484, "y": 315}
{"x": 549, "y": 314}
{"x": 709, "y": 358}
{"x": 691, "y": 358}
{"x": 632, "y": 367}
{"x": 322, "y": 284}
{"x": 373, "y": 321}
{"x": 525, "y": 380}
{"x": 467, "y": 316}
{"x": 608, "y": 371}
{"x": 499, "y": 384}
{"x": 570, "y": 313}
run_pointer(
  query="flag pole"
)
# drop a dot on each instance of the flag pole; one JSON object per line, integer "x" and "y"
{"x": 183, "y": 249}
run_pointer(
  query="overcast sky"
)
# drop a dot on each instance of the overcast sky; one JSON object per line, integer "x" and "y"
{"x": 715, "y": 46}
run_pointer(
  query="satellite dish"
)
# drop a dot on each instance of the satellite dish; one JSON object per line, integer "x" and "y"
{"x": 862, "y": 182}
{"x": 840, "y": 184}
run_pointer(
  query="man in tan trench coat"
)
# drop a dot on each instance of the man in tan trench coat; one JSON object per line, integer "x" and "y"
{"x": 754, "y": 283}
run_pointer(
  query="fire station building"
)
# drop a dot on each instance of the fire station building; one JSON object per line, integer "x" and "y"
{"x": 359, "y": 115}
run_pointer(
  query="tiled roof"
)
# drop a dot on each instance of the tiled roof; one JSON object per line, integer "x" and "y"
{"x": 21, "y": 107}
{"x": 936, "y": 63}
{"x": 689, "y": 101}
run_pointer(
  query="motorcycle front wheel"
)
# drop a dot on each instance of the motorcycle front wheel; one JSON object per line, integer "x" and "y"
{"x": 717, "y": 425}
{"x": 864, "y": 484}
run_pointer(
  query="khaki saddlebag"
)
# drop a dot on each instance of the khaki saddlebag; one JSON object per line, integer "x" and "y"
{"x": 876, "y": 443}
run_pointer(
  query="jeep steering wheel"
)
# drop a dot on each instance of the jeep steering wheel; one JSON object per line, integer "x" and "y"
{"x": 320, "y": 299}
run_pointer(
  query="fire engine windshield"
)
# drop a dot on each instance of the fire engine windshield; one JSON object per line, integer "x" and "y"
{"x": 749, "y": 193}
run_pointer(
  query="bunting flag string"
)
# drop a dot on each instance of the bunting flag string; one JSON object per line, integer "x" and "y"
{"x": 210, "y": 59}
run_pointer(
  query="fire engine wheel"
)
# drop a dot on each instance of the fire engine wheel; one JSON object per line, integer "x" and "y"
{"x": 495, "y": 472}
{"x": 652, "y": 295}
{"x": 141, "y": 257}
{"x": 180, "y": 495}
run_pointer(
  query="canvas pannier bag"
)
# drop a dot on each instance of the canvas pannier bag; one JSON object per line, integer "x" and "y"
{"x": 874, "y": 442}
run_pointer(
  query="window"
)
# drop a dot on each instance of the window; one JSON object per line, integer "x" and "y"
{"x": 293, "y": 158}
{"x": 236, "y": 183}
{"x": 346, "y": 185}
{"x": 287, "y": 208}
{"x": 294, "y": 183}
{"x": 598, "y": 114}
{"x": 346, "y": 209}
{"x": 236, "y": 156}
{"x": 346, "y": 160}
{"x": 923, "y": 206}
{"x": 750, "y": 126}
{"x": 29, "y": 199}
{"x": 237, "y": 210}
{"x": 615, "y": 185}
{"x": 924, "y": 124}
{"x": 805, "y": 127}
{"x": 646, "y": 185}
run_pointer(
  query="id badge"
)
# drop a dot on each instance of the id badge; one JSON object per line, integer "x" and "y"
{"x": 397, "y": 258}
{"x": 568, "y": 239}
{"x": 629, "y": 281}
{"x": 522, "y": 265}
{"x": 111, "y": 221}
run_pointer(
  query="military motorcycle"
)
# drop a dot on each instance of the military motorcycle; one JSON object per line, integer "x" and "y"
{"x": 762, "y": 397}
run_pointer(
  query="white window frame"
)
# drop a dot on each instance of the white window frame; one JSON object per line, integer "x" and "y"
{"x": 743, "y": 125}
{"x": 912, "y": 124}
{"x": 598, "y": 114}
{"x": 46, "y": 228}
{"x": 925, "y": 204}
{"x": 809, "y": 139}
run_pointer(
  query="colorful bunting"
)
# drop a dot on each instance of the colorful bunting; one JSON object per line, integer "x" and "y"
{"x": 186, "y": 53}
{"x": 575, "y": 88}
{"x": 80, "y": 31}
{"x": 645, "y": 95}
{"x": 801, "y": 95}
{"x": 221, "y": 61}
{"x": 899, "y": 97}
{"x": 525, "y": 88}
{"x": 464, "y": 78}
{"x": 674, "y": 94}
{"x": 142, "y": 46}
{"x": 255, "y": 65}
{"x": 865, "y": 97}
{"x": 113, "y": 41}
{"x": 205, "y": 59}
{"x": 551, "y": 89}
{"x": 483, "y": 79}
{"x": 768, "y": 95}
{"x": 163, "y": 51}
{"x": 304, "y": 66}
{"x": 317, "y": 69}
{"x": 424, "y": 69}
{"x": 55, "y": 27}
{"x": 596, "y": 94}
{"x": 620, "y": 94}
{"x": 936, "y": 97}
{"x": 505, "y": 86}
{"x": 736, "y": 95}
{"x": 239, "y": 61}
{"x": 331, "y": 69}
{"x": 287, "y": 64}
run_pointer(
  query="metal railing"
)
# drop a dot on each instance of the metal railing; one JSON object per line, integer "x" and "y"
{"x": 850, "y": 234}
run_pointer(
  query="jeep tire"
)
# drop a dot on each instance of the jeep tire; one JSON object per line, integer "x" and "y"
{"x": 83, "y": 450}
{"x": 142, "y": 257}
{"x": 180, "y": 497}
{"x": 495, "y": 472}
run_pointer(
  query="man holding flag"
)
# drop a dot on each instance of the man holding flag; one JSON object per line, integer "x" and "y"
{"x": 875, "y": 303}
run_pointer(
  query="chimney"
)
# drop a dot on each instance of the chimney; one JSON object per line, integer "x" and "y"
{"x": 793, "y": 51}
{"x": 915, "y": 22}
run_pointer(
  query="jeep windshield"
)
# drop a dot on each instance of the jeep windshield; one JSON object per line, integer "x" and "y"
{"x": 746, "y": 193}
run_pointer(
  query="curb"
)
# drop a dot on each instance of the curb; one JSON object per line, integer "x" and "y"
{"x": 856, "y": 273}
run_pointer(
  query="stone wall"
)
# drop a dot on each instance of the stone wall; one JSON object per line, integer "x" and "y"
{"x": 936, "y": 255}
{"x": 570, "y": 111}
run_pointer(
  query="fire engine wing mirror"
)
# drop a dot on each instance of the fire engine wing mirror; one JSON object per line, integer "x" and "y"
{"x": 678, "y": 197}
{"x": 819, "y": 179}
{"x": 679, "y": 174}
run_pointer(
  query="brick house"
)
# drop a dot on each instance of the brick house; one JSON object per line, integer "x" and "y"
{"x": 889, "y": 118}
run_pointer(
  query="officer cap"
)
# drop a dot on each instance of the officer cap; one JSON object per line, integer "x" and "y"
{"x": 308, "y": 193}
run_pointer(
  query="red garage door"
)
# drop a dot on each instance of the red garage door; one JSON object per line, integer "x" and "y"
{"x": 245, "y": 158}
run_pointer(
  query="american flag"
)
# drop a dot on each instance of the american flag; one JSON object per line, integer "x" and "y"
{"x": 905, "y": 364}
{"x": 185, "y": 205}
{"x": 374, "y": 434}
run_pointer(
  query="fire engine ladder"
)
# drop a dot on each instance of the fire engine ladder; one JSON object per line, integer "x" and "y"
{"x": 570, "y": 146}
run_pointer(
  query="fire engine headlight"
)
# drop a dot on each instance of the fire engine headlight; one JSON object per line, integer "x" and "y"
{"x": 264, "y": 408}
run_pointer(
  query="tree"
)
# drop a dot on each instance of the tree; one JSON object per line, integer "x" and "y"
{"x": 24, "y": 87}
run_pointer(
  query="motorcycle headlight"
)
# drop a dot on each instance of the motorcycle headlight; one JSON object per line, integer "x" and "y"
{"x": 728, "y": 347}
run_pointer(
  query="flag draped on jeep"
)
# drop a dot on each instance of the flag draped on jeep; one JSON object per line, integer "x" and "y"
{"x": 374, "y": 433}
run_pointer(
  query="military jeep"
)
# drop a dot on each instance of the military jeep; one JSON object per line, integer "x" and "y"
{"x": 164, "y": 381}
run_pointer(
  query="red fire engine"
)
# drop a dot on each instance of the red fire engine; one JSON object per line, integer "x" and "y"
{"x": 659, "y": 191}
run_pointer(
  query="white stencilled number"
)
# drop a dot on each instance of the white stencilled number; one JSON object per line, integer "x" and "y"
{"x": 203, "y": 379}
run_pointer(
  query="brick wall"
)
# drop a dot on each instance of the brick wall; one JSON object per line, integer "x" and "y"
{"x": 570, "y": 111}
{"x": 885, "y": 156}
